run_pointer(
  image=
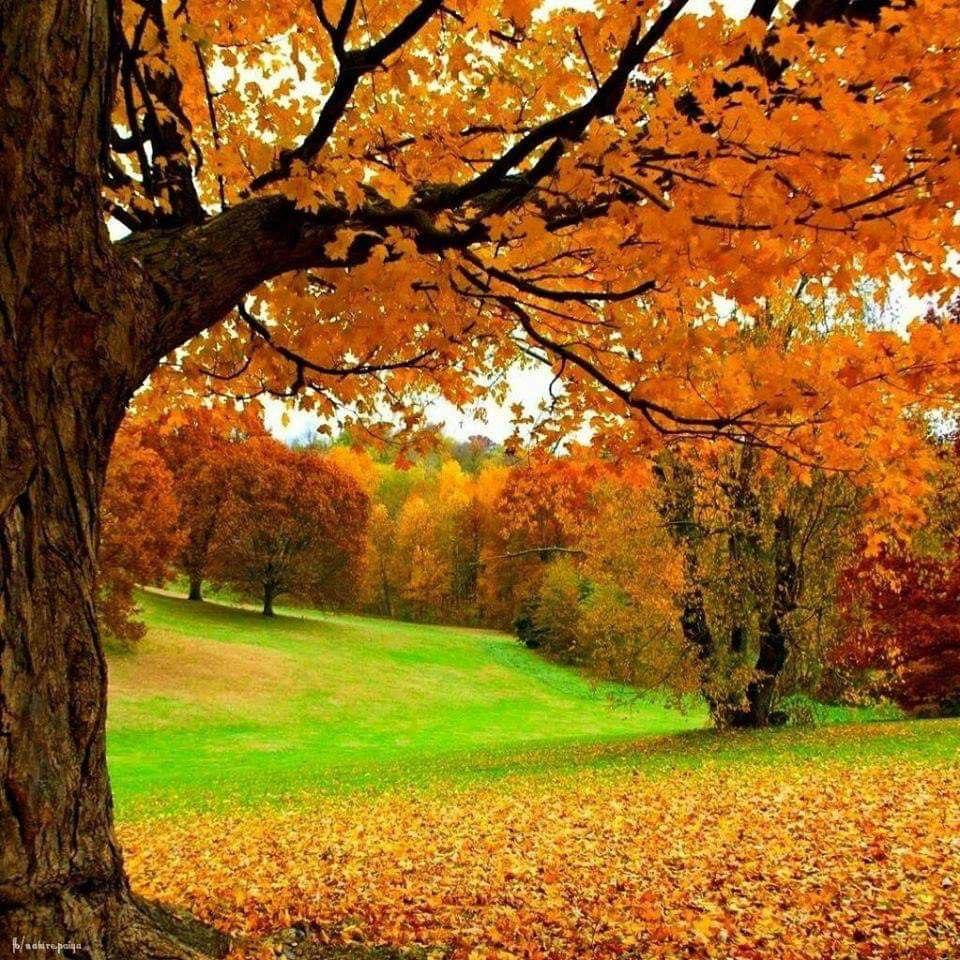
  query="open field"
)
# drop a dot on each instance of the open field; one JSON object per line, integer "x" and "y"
{"x": 507, "y": 808}
{"x": 219, "y": 704}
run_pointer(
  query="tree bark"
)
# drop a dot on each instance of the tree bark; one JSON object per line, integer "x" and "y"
{"x": 774, "y": 646}
{"x": 196, "y": 588}
{"x": 73, "y": 348}
{"x": 61, "y": 870}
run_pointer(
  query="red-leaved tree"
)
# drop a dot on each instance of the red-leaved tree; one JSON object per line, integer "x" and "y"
{"x": 902, "y": 613}
{"x": 198, "y": 444}
{"x": 292, "y": 523}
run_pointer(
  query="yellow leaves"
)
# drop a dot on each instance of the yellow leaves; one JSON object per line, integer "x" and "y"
{"x": 301, "y": 189}
{"x": 192, "y": 31}
{"x": 779, "y": 863}
{"x": 295, "y": 56}
{"x": 702, "y": 180}
{"x": 791, "y": 43}
{"x": 752, "y": 31}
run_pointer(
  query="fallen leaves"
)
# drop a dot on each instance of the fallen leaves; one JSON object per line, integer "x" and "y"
{"x": 821, "y": 862}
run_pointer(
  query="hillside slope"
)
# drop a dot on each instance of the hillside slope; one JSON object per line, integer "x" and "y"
{"x": 219, "y": 705}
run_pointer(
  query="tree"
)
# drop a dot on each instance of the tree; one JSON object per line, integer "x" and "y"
{"x": 197, "y": 443}
{"x": 899, "y": 606}
{"x": 380, "y": 564}
{"x": 424, "y": 565}
{"x": 540, "y": 507}
{"x": 292, "y": 523}
{"x": 630, "y": 630}
{"x": 614, "y": 164}
{"x": 139, "y": 531}
{"x": 902, "y": 621}
{"x": 555, "y": 612}
{"x": 761, "y": 555}
{"x": 429, "y": 525}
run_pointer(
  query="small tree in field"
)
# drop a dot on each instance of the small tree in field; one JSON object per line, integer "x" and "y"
{"x": 292, "y": 523}
{"x": 197, "y": 444}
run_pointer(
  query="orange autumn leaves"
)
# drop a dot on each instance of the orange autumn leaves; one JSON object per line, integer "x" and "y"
{"x": 750, "y": 863}
{"x": 292, "y": 523}
{"x": 139, "y": 486}
{"x": 741, "y": 158}
{"x": 206, "y": 492}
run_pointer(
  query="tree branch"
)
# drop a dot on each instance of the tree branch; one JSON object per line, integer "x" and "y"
{"x": 354, "y": 64}
{"x": 571, "y": 125}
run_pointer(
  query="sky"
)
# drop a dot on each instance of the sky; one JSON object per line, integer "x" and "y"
{"x": 527, "y": 386}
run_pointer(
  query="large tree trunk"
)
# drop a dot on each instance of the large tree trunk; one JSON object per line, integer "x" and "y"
{"x": 55, "y": 820}
{"x": 61, "y": 871}
{"x": 72, "y": 350}
{"x": 196, "y": 585}
{"x": 775, "y": 639}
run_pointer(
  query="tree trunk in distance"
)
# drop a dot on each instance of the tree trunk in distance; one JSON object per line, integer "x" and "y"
{"x": 268, "y": 595}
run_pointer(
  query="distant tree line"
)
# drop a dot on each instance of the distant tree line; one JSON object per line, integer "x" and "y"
{"x": 717, "y": 571}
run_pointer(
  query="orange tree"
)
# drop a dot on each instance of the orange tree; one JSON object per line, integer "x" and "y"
{"x": 578, "y": 186}
{"x": 542, "y": 503}
{"x": 197, "y": 443}
{"x": 291, "y": 523}
{"x": 139, "y": 531}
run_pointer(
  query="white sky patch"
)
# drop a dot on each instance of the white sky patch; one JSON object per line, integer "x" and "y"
{"x": 528, "y": 386}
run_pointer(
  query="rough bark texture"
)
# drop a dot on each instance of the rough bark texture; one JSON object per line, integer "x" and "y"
{"x": 775, "y": 638}
{"x": 73, "y": 346}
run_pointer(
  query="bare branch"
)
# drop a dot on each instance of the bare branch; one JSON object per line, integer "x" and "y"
{"x": 303, "y": 364}
{"x": 562, "y": 296}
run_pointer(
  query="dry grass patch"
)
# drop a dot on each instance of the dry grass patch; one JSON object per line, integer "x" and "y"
{"x": 195, "y": 670}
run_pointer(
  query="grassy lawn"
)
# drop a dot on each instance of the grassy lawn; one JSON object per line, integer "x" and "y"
{"x": 219, "y": 708}
{"x": 413, "y": 792}
{"x": 220, "y": 705}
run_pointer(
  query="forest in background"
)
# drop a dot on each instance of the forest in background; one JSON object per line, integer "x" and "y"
{"x": 723, "y": 571}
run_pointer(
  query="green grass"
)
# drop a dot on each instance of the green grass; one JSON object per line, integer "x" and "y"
{"x": 218, "y": 702}
{"x": 219, "y": 706}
